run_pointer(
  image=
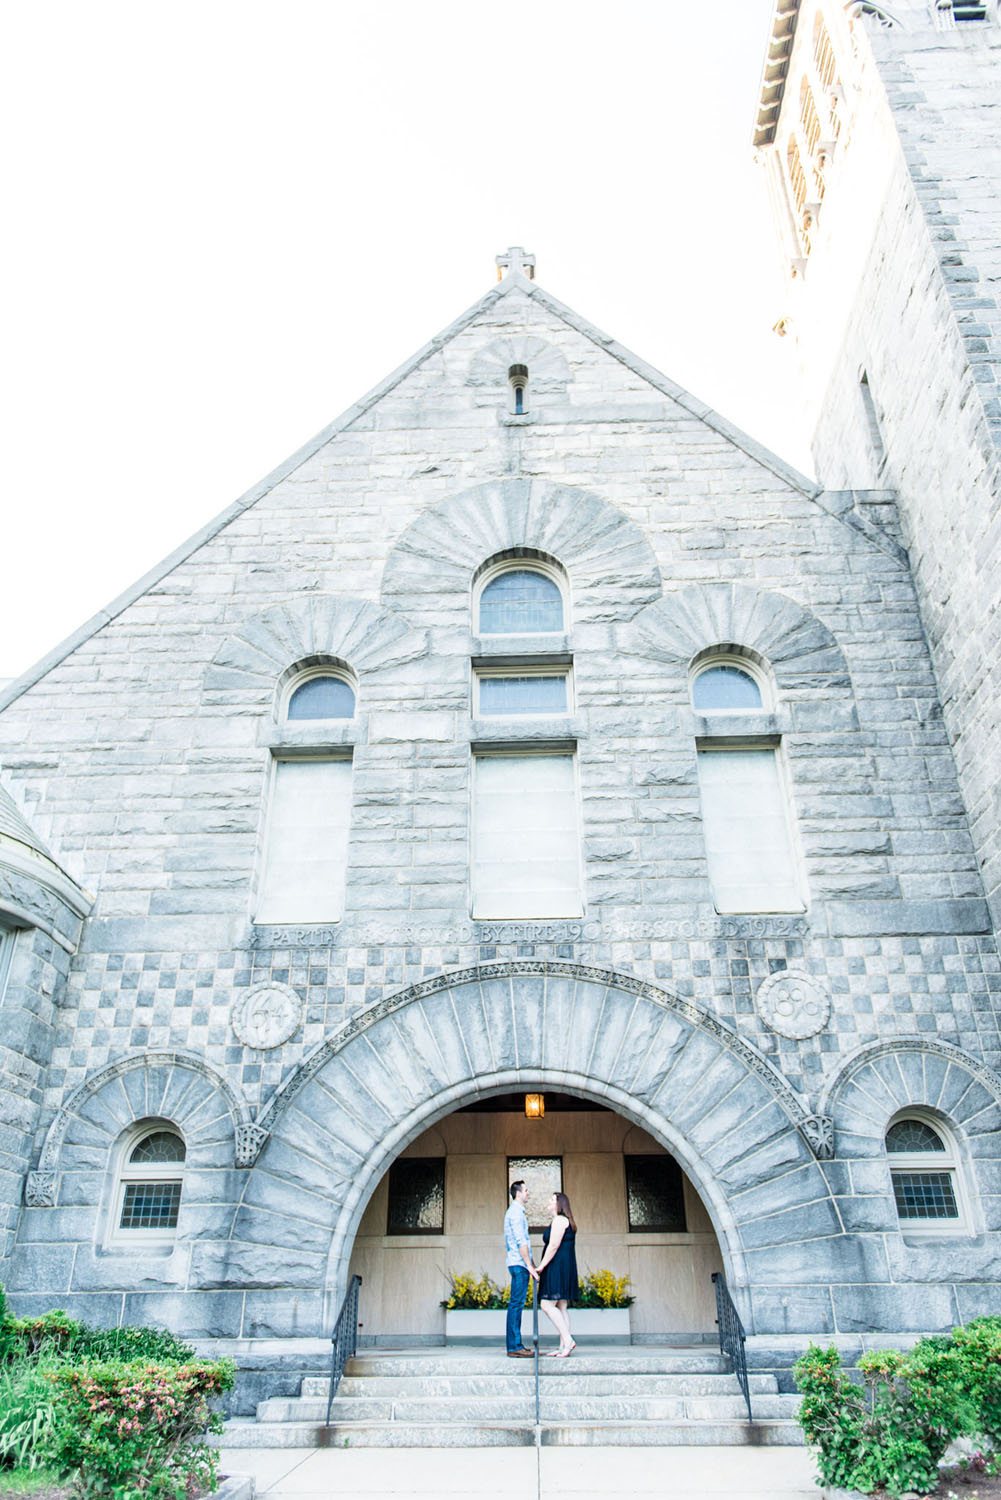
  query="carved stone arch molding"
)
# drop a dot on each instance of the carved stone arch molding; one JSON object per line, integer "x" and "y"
{"x": 799, "y": 648}
{"x": 710, "y": 1098}
{"x": 610, "y": 563}
{"x": 314, "y": 627}
{"x": 880, "y": 1079}
{"x": 176, "y": 1086}
{"x": 548, "y": 370}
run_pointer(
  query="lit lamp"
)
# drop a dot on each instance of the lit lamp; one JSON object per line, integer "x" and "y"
{"x": 535, "y": 1106}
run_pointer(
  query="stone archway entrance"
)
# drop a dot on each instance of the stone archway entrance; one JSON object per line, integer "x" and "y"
{"x": 717, "y": 1105}
{"x": 438, "y": 1209}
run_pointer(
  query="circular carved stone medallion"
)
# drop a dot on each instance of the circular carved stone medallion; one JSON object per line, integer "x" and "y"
{"x": 266, "y": 1016}
{"x": 793, "y": 1003}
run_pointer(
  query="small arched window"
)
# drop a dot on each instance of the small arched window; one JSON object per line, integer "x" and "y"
{"x": 723, "y": 686}
{"x": 518, "y": 381}
{"x": 326, "y": 696}
{"x": 149, "y": 1186}
{"x": 924, "y": 1171}
{"x": 521, "y": 601}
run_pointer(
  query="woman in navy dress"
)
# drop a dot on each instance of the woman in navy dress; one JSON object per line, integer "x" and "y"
{"x": 558, "y": 1272}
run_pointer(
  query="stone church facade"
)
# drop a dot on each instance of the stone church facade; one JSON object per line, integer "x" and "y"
{"x": 533, "y": 731}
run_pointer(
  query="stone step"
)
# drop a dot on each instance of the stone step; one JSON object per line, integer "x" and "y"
{"x": 648, "y": 1434}
{"x": 316, "y": 1389}
{"x": 584, "y": 1362}
{"x": 373, "y": 1435}
{"x": 673, "y": 1435}
{"x": 556, "y": 1407}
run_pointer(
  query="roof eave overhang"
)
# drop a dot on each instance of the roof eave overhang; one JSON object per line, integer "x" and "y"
{"x": 776, "y": 66}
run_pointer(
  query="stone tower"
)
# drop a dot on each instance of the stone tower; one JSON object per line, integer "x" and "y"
{"x": 880, "y": 131}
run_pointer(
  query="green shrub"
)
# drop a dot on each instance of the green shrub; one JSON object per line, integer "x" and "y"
{"x": 51, "y": 1334}
{"x": 891, "y": 1430}
{"x": 27, "y": 1414}
{"x": 128, "y": 1429}
{"x": 153, "y": 1344}
{"x": 979, "y": 1345}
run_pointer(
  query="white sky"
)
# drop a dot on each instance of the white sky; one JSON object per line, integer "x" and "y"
{"x": 227, "y": 221}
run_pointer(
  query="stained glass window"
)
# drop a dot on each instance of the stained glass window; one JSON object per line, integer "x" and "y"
{"x": 322, "y": 698}
{"x": 543, "y": 693}
{"x": 151, "y": 1183}
{"x": 913, "y": 1135}
{"x": 417, "y": 1195}
{"x": 520, "y": 602}
{"x": 925, "y": 1195}
{"x": 655, "y": 1195}
{"x": 150, "y": 1205}
{"x": 923, "y": 1173}
{"x": 725, "y": 687}
{"x": 543, "y": 1175}
{"x": 162, "y": 1145}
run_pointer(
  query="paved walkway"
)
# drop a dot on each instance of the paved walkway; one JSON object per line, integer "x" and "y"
{"x": 499, "y": 1473}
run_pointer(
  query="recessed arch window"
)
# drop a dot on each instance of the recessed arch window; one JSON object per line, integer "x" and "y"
{"x": 924, "y": 1170}
{"x": 726, "y": 686}
{"x": 150, "y": 1179}
{"x": 325, "y": 695}
{"x": 520, "y": 600}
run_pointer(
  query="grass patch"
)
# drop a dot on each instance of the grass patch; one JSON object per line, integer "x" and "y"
{"x": 40, "y": 1484}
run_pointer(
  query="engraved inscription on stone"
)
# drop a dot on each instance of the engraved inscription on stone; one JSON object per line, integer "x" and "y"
{"x": 793, "y": 1003}
{"x": 266, "y": 1016}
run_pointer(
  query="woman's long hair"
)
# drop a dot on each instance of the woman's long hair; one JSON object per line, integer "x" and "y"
{"x": 563, "y": 1207}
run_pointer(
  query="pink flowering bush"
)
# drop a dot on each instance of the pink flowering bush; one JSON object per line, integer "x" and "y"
{"x": 127, "y": 1430}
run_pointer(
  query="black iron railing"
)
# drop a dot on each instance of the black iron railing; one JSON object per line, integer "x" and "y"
{"x": 344, "y": 1339}
{"x": 535, "y": 1351}
{"x": 731, "y": 1336}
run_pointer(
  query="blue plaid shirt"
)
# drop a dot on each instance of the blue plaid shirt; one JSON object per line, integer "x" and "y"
{"x": 516, "y": 1233}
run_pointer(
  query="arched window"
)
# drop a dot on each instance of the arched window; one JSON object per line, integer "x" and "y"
{"x": 723, "y": 686}
{"x": 925, "y": 1174}
{"x": 520, "y": 601}
{"x": 518, "y": 381}
{"x": 325, "y": 696}
{"x": 149, "y": 1185}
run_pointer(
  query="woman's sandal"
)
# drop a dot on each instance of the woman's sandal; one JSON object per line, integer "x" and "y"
{"x": 564, "y": 1353}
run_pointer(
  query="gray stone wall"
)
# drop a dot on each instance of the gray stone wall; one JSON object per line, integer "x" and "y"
{"x": 904, "y": 281}
{"x": 144, "y": 752}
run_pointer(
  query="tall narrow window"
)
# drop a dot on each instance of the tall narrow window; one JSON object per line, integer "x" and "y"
{"x": 810, "y": 122}
{"x": 797, "y": 182}
{"x": 6, "y": 950}
{"x": 149, "y": 1186}
{"x": 306, "y": 849}
{"x": 749, "y": 843}
{"x": 518, "y": 379}
{"x": 526, "y": 844}
{"x": 520, "y": 601}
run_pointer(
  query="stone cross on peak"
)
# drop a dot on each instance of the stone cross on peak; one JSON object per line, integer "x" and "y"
{"x": 515, "y": 259}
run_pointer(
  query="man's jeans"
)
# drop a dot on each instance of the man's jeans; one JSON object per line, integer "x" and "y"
{"x": 519, "y": 1291}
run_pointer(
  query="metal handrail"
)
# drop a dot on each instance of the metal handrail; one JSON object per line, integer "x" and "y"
{"x": 732, "y": 1336}
{"x": 535, "y": 1348}
{"x": 344, "y": 1339}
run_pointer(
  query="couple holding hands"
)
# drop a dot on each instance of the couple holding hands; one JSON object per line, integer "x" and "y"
{"x": 556, "y": 1272}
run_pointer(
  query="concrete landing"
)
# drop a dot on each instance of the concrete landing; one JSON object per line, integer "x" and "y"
{"x": 555, "y": 1474}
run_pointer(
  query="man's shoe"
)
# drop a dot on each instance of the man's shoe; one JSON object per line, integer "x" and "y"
{"x": 519, "y": 1354}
